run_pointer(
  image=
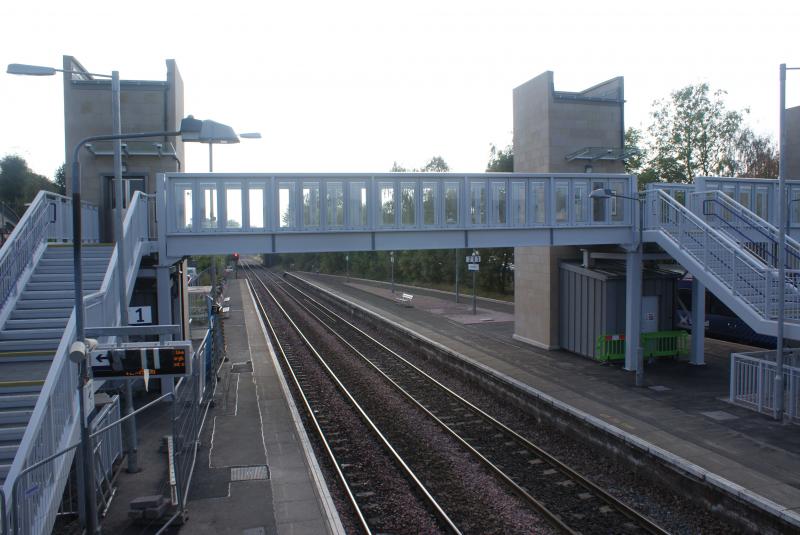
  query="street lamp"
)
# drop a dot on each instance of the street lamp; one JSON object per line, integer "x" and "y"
{"x": 220, "y": 134}
{"x": 782, "y": 205}
{"x": 605, "y": 193}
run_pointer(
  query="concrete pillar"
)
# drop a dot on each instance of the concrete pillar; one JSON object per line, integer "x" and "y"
{"x": 698, "y": 323}
{"x": 536, "y": 294}
{"x": 633, "y": 307}
{"x": 164, "y": 314}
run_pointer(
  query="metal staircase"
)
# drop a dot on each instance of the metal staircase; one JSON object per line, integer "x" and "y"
{"x": 746, "y": 282}
{"x": 31, "y": 335}
{"x": 38, "y": 382}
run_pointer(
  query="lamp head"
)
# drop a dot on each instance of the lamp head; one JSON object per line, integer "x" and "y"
{"x": 207, "y": 131}
{"x": 29, "y": 70}
{"x": 602, "y": 193}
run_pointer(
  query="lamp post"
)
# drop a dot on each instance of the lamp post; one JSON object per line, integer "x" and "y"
{"x": 782, "y": 205}
{"x": 605, "y": 193}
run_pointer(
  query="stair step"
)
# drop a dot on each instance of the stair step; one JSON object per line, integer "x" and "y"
{"x": 26, "y": 304}
{"x": 45, "y": 313}
{"x": 50, "y": 344}
{"x": 62, "y": 270}
{"x": 11, "y": 432}
{"x": 15, "y": 416}
{"x": 92, "y": 286}
{"x": 42, "y": 295}
{"x": 37, "y": 323}
{"x": 31, "y": 334}
{"x": 18, "y": 400}
{"x": 7, "y": 451}
{"x": 67, "y": 252}
{"x": 65, "y": 277}
{"x": 26, "y": 356}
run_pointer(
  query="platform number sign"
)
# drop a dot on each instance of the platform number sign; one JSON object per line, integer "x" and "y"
{"x": 140, "y": 315}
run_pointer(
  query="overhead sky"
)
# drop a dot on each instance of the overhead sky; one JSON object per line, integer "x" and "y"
{"x": 356, "y": 85}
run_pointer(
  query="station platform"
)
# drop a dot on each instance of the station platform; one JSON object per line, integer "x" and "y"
{"x": 681, "y": 413}
{"x": 255, "y": 471}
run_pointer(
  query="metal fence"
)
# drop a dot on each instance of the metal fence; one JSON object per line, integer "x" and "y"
{"x": 192, "y": 396}
{"x": 752, "y": 382}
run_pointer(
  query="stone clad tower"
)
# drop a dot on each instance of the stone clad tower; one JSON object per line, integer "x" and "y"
{"x": 559, "y": 132}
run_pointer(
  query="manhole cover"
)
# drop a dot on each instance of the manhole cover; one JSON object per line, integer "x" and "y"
{"x": 720, "y": 416}
{"x": 242, "y": 367}
{"x": 249, "y": 473}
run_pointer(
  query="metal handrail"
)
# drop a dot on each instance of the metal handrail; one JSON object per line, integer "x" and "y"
{"x": 756, "y": 223}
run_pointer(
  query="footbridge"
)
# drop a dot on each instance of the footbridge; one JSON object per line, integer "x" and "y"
{"x": 721, "y": 230}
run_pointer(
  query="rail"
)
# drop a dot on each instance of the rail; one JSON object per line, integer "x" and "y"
{"x": 54, "y": 420}
{"x": 48, "y": 218}
{"x": 739, "y": 271}
{"x": 752, "y": 382}
{"x": 757, "y": 234}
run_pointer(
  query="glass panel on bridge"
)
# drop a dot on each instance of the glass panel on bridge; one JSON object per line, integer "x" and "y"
{"x": 429, "y": 203}
{"x": 183, "y": 206}
{"x": 451, "y": 203}
{"x": 335, "y": 204}
{"x": 477, "y": 203}
{"x": 539, "y": 202}
{"x": 387, "y": 203}
{"x": 760, "y": 207}
{"x": 599, "y": 205}
{"x": 358, "y": 204}
{"x": 255, "y": 198}
{"x": 618, "y": 187}
{"x": 499, "y": 203}
{"x": 562, "y": 194}
{"x": 794, "y": 212}
{"x": 311, "y": 206}
{"x": 744, "y": 197}
{"x": 233, "y": 206}
{"x": 518, "y": 199}
{"x": 580, "y": 196}
{"x": 286, "y": 204}
{"x": 408, "y": 205}
{"x": 208, "y": 206}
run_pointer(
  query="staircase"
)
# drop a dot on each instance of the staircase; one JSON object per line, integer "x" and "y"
{"x": 31, "y": 335}
{"x": 747, "y": 283}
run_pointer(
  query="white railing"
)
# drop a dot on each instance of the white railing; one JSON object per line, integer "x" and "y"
{"x": 744, "y": 226}
{"x": 53, "y": 423}
{"x": 745, "y": 276}
{"x": 48, "y": 218}
{"x": 752, "y": 382}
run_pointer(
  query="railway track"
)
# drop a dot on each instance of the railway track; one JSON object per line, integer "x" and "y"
{"x": 568, "y": 501}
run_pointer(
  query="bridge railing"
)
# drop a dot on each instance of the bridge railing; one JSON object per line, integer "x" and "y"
{"x": 274, "y": 203}
{"x": 752, "y": 381}
{"x": 48, "y": 218}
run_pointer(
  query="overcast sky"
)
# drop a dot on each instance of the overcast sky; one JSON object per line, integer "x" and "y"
{"x": 355, "y": 86}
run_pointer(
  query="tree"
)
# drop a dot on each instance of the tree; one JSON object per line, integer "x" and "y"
{"x": 60, "y": 179}
{"x": 693, "y": 134}
{"x": 18, "y": 184}
{"x": 756, "y": 156}
{"x": 436, "y": 165}
{"x": 500, "y": 160}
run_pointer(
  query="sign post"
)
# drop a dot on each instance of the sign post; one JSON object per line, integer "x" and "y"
{"x": 474, "y": 265}
{"x": 391, "y": 261}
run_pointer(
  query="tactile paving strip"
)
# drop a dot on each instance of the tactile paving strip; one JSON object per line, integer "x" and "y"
{"x": 249, "y": 473}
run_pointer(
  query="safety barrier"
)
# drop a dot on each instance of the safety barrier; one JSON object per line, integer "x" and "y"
{"x": 611, "y": 347}
{"x": 752, "y": 382}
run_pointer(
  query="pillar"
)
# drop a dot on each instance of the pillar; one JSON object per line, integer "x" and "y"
{"x": 164, "y": 314}
{"x": 698, "y": 323}
{"x": 633, "y": 307}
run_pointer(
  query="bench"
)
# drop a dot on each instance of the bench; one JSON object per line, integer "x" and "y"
{"x": 405, "y": 299}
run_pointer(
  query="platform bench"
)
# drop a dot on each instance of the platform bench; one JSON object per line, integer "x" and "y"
{"x": 405, "y": 299}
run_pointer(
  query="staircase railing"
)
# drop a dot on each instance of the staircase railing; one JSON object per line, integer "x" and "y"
{"x": 745, "y": 276}
{"x": 53, "y": 423}
{"x": 48, "y": 218}
{"x": 744, "y": 226}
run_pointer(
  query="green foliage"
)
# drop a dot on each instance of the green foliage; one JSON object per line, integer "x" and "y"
{"x": 692, "y": 134}
{"x": 757, "y": 156}
{"x": 18, "y": 184}
{"x": 60, "y": 179}
{"x": 500, "y": 160}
